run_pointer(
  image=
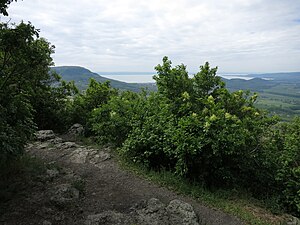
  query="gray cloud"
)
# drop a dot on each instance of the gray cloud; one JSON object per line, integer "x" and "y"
{"x": 132, "y": 35}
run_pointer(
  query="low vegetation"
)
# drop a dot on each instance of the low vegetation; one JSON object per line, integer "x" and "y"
{"x": 193, "y": 128}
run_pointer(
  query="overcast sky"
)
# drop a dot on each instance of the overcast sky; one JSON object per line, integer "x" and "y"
{"x": 134, "y": 35}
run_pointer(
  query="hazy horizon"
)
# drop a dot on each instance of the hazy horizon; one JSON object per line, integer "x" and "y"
{"x": 147, "y": 77}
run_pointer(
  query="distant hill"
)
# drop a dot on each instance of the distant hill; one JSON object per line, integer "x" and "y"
{"x": 255, "y": 84}
{"x": 82, "y": 75}
{"x": 279, "y": 77}
{"x": 279, "y": 92}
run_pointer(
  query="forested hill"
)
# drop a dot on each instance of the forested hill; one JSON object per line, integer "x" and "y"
{"x": 260, "y": 82}
{"x": 263, "y": 82}
{"x": 278, "y": 92}
{"x": 279, "y": 77}
{"x": 82, "y": 75}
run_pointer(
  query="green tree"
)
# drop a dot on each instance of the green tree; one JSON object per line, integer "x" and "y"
{"x": 200, "y": 130}
{"x": 206, "y": 82}
{"x": 112, "y": 122}
{"x": 27, "y": 97}
{"x": 288, "y": 164}
{"x": 96, "y": 95}
{"x": 173, "y": 83}
{"x": 4, "y": 5}
{"x": 149, "y": 141}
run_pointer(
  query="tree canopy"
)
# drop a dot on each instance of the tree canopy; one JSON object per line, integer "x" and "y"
{"x": 4, "y": 5}
{"x": 30, "y": 95}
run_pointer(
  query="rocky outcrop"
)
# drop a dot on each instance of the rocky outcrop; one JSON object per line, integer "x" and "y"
{"x": 181, "y": 213}
{"x": 293, "y": 221}
{"x": 153, "y": 213}
{"x": 46, "y": 222}
{"x": 44, "y": 135}
{"x": 177, "y": 212}
{"x": 76, "y": 130}
{"x": 109, "y": 218}
{"x": 72, "y": 152}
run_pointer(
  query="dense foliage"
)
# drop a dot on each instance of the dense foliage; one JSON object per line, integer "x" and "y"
{"x": 28, "y": 99}
{"x": 287, "y": 156}
{"x": 4, "y": 5}
{"x": 83, "y": 104}
{"x": 112, "y": 122}
{"x": 198, "y": 129}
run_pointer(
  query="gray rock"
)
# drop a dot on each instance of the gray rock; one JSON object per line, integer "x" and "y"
{"x": 66, "y": 145}
{"x": 79, "y": 156}
{"x": 181, "y": 213}
{"x": 29, "y": 146}
{"x": 293, "y": 221}
{"x": 108, "y": 218}
{"x": 52, "y": 173}
{"x": 153, "y": 214}
{"x": 56, "y": 140}
{"x": 156, "y": 213}
{"x": 76, "y": 130}
{"x": 97, "y": 157}
{"x": 44, "y": 135}
{"x": 154, "y": 205}
{"x": 43, "y": 145}
{"x": 60, "y": 217}
{"x": 45, "y": 222}
{"x": 64, "y": 194}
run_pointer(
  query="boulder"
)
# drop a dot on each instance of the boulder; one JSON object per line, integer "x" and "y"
{"x": 108, "y": 218}
{"x": 79, "y": 156}
{"x": 46, "y": 222}
{"x": 293, "y": 221}
{"x": 177, "y": 212}
{"x": 181, "y": 213}
{"x": 66, "y": 145}
{"x": 97, "y": 157}
{"x": 154, "y": 213}
{"x": 76, "y": 130}
{"x": 52, "y": 173}
{"x": 56, "y": 140}
{"x": 44, "y": 135}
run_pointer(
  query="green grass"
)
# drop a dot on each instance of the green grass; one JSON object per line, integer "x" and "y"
{"x": 234, "y": 202}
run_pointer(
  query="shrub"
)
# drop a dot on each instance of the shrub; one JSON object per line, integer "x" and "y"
{"x": 16, "y": 125}
{"x": 198, "y": 129}
{"x": 148, "y": 142}
{"x": 112, "y": 122}
{"x": 288, "y": 173}
{"x": 82, "y": 106}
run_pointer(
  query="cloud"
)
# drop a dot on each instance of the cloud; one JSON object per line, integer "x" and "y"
{"x": 132, "y": 35}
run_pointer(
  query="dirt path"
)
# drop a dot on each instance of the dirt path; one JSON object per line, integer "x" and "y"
{"x": 87, "y": 186}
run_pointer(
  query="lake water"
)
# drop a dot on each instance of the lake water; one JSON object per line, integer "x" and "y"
{"x": 147, "y": 77}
